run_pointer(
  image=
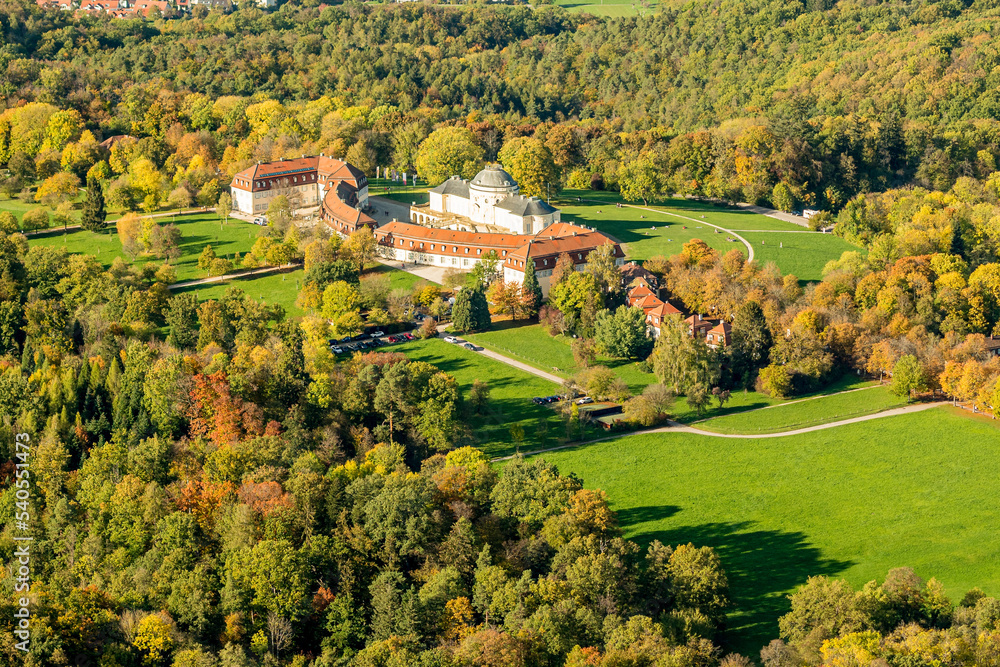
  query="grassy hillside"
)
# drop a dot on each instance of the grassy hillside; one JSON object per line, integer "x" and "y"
{"x": 851, "y": 501}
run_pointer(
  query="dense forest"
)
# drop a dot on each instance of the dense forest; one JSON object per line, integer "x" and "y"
{"x": 731, "y": 99}
{"x": 211, "y": 486}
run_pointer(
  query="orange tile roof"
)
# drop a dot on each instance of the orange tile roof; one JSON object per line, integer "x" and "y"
{"x": 413, "y": 232}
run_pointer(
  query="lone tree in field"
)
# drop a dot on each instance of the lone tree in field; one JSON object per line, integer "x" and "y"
{"x": 93, "y": 216}
{"x": 471, "y": 312}
{"x": 907, "y": 377}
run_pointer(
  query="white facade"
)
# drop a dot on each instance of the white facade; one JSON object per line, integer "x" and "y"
{"x": 493, "y": 198}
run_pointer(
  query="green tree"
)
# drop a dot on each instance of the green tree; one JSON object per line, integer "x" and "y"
{"x": 782, "y": 197}
{"x": 907, "y": 377}
{"x": 623, "y": 333}
{"x": 182, "y": 318}
{"x": 471, "y": 311}
{"x": 94, "y": 213}
{"x": 531, "y": 291}
{"x": 206, "y": 258}
{"x": 36, "y": 218}
{"x": 531, "y": 164}
{"x": 8, "y": 223}
{"x": 681, "y": 361}
{"x": 751, "y": 341}
{"x": 338, "y": 298}
{"x": 447, "y": 152}
{"x": 640, "y": 179}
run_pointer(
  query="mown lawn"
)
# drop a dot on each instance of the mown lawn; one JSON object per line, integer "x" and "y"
{"x": 398, "y": 279}
{"x": 649, "y": 233}
{"x": 802, "y": 255}
{"x": 532, "y": 344}
{"x": 280, "y": 288}
{"x": 915, "y": 490}
{"x": 197, "y": 231}
{"x": 608, "y": 7}
{"x": 511, "y": 391}
{"x": 802, "y": 413}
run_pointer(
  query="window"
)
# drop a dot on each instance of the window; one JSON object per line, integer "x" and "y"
{"x": 479, "y": 251}
{"x": 454, "y": 261}
{"x": 466, "y": 251}
{"x": 465, "y": 262}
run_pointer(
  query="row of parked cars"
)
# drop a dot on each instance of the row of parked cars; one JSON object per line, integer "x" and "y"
{"x": 366, "y": 341}
{"x": 545, "y": 400}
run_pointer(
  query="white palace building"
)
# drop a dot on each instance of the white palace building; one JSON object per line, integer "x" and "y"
{"x": 492, "y": 199}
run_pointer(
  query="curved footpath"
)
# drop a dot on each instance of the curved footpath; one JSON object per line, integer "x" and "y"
{"x": 698, "y": 222}
{"x": 674, "y": 427}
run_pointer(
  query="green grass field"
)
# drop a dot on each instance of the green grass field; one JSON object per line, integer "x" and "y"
{"x": 398, "y": 279}
{"x": 280, "y": 288}
{"x": 197, "y": 231}
{"x": 802, "y": 413}
{"x": 532, "y": 344}
{"x": 608, "y": 7}
{"x": 16, "y": 206}
{"x": 916, "y": 490}
{"x": 511, "y": 391}
{"x": 802, "y": 255}
{"x": 647, "y": 234}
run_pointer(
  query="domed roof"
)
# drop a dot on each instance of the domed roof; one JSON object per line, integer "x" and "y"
{"x": 494, "y": 177}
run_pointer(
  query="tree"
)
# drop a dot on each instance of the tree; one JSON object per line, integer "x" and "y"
{"x": 751, "y": 341}
{"x": 775, "y": 381}
{"x": 182, "y": 318}
{"x": 129, "y": 228}
{"x": 94, "y": 213}
{"x": 681, "y": 361}
{"x": 224, "y": 206}
{"x": 471, "y": 312}
{"x": 640, "y": 179}
{"x": 8, "y": 223}
{"x": 782, "y": 197}
{"x": 447, "y": 152}
{"x": 623, "y": 333}
{"x": 487, "y": 271}
{"x": 531, "y": 291}
{"x": 479, "y": 396}
{"x": 601, "y": 263}
{"x": 58, "y": 188}
{"x": 279, "y": 213}
{"x": 907, "y": 377}
{"x": 205, "y": 258}
{"x": 506, "y": 297}
{"x": 339, "y": 298}
{"x": 531, "y": 164}
{"x": 361, "y": 247}
{"x": 36, "y": 218}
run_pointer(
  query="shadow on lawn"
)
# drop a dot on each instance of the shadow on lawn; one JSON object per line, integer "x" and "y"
{"x": 763, "y": 567}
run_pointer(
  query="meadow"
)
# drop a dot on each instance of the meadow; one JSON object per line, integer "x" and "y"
{"x": 851, "y": 502}
{"x": 805, "y": 412}
{"x": 197, "y": 231}
{"x": 281, "y": 288}
{"x": 609, "y": 7}
{"x": 510, "y": 403}
{"x": 646, "y": 233}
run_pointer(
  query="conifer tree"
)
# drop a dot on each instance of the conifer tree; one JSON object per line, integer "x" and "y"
{"x": 531, "y": 291}
{"x": 94, "y": 211}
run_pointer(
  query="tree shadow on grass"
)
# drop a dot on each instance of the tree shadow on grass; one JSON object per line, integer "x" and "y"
{"x": 763, "y": 567}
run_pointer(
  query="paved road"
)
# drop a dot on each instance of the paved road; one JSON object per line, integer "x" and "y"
{"x": 674, "y": 427}
{"x": 435, "y": 274}
{"x": 230, "y": 276}
{"x": 699, "y": 222}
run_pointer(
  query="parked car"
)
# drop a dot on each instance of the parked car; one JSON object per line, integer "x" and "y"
{"x": 409, "y": 336}
{"x": 337, "y": 350}
{"x": 585, "y": 400}
{"x": 378, "y": 334}
{"x": 450, "y": 339}
{"x": 537, "y": 400}
{"x": 469, "y": 346}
